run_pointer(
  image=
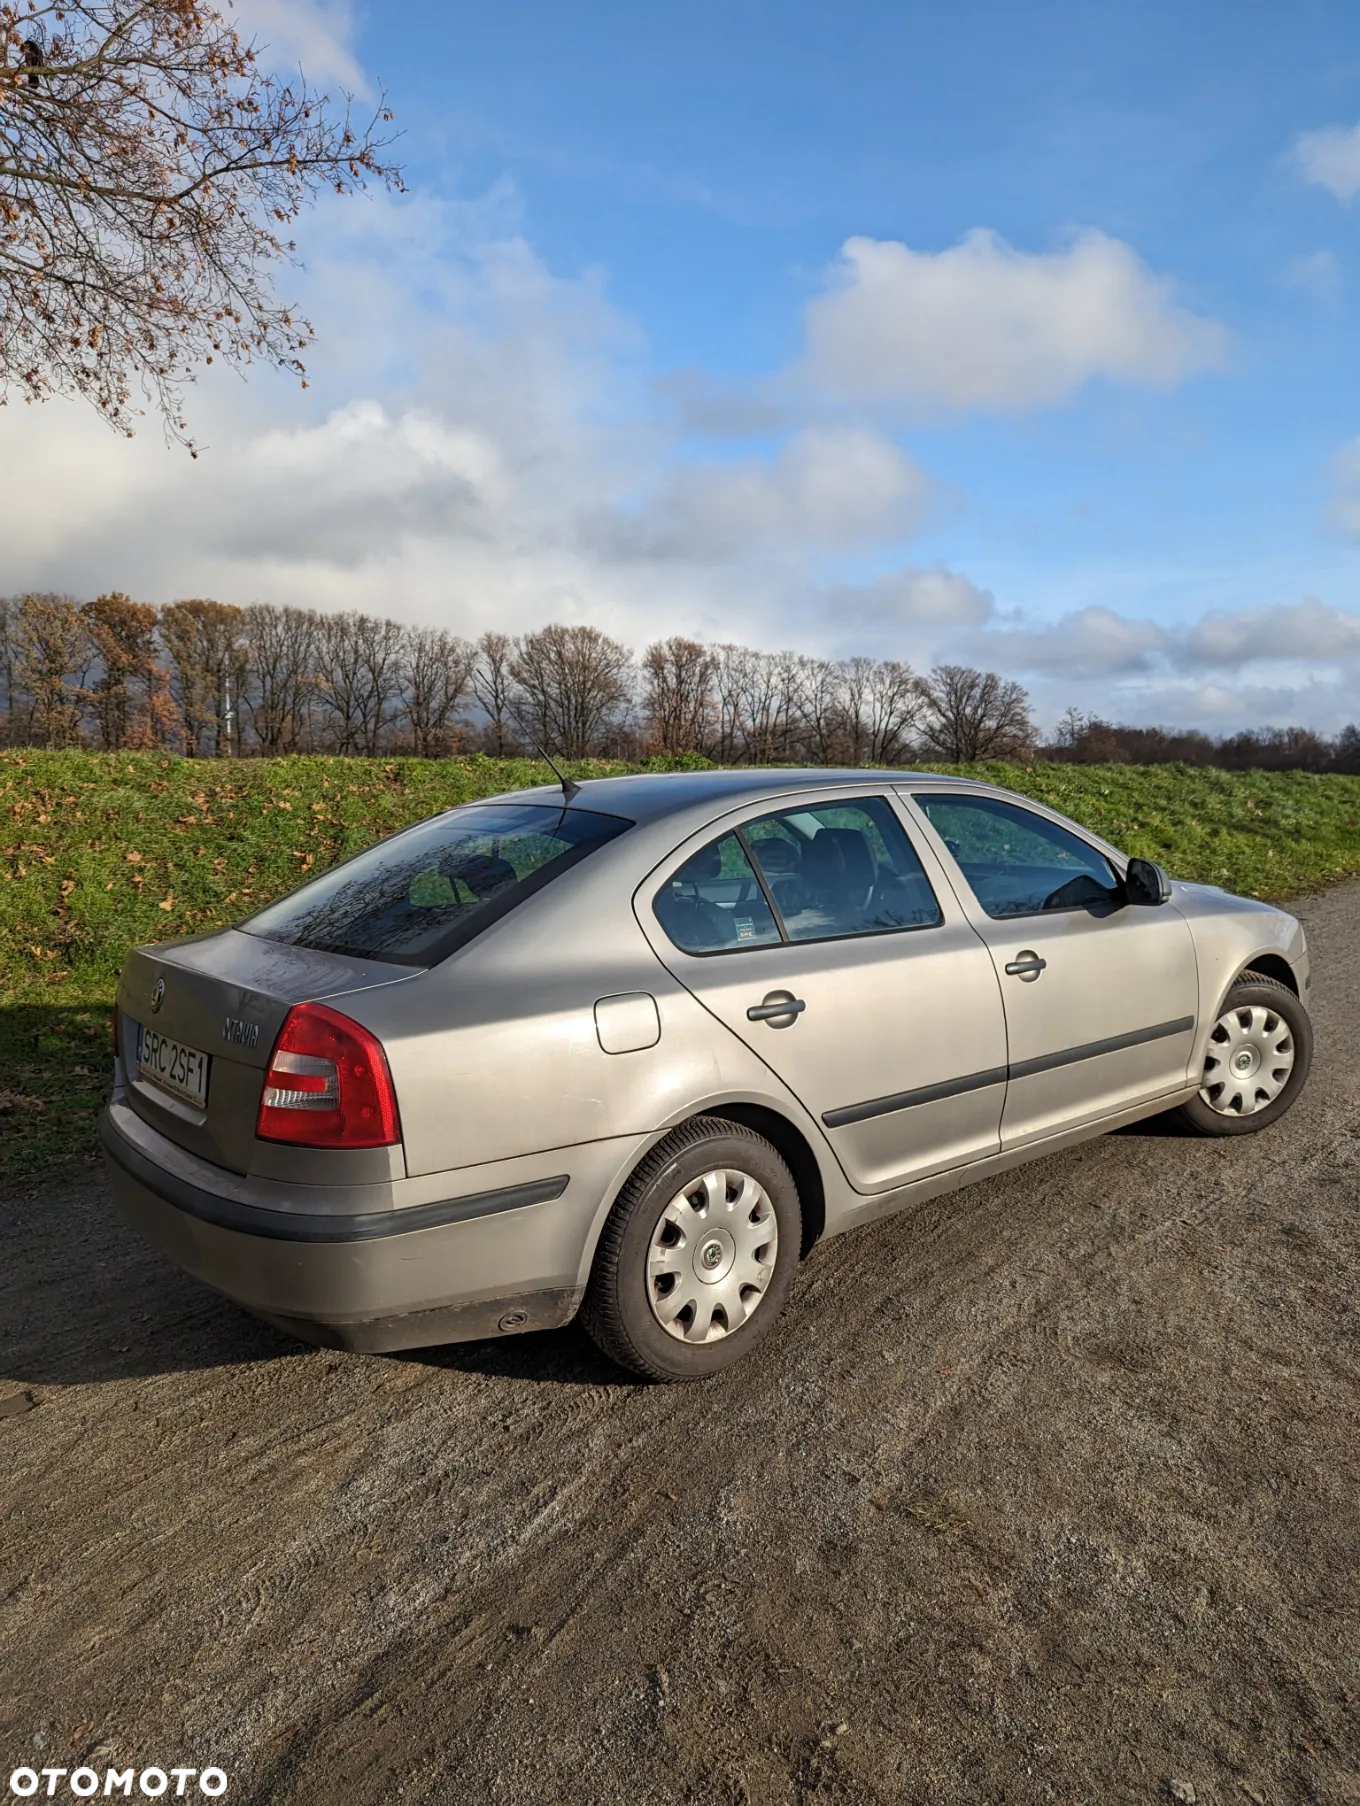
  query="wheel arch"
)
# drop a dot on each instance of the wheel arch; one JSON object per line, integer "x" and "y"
{"x": 797, "y": 1154}
{"x": 783, "y": 1134}
{"x": 1268, "y": 965}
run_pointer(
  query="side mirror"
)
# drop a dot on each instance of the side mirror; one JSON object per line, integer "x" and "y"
{"x": 1146, "y": 883}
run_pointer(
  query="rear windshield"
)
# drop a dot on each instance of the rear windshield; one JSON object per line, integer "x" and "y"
{"x": 417, "y": 897}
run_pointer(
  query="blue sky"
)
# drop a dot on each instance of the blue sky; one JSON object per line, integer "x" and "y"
{"x": 1016, "y": 334}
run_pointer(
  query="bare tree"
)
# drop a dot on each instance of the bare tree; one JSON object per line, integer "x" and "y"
{"x": 825, "y": 714}
{"x": 494, "y": 688}
{"x": 281, "y": 681}
{"x": 209, "y": 658}
{"x": 767, "y": 695}
{"x": 130, "y": 699}
{"x": 969, "y": 715}
{"x": 9, "y": 700}
{"x": 731, "y": 682}
{"x": 886, "y": 710}
{"x": 1072, "y": 728}
{"x": 437, "y": 667}
{"x": 360, "y": 665}
{"x": 571, "y": 685}
{"x": 677, "y": 702}
{"x": 52, "y": 660}
{"x": 148, "y": 167}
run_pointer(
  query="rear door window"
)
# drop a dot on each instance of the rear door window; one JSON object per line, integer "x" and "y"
{"x": 1018, "y": 863}
{"x": 837, "y": 869}
{"x": 816, "y": 873}
{"x": 419, "y": 896}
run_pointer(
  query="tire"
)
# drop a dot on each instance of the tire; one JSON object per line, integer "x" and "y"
{"x": 740, "y": 1237}
{"x": 1271, "y": 1025}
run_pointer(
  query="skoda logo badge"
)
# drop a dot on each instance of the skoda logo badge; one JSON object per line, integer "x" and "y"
{"x": 158, "y": 996}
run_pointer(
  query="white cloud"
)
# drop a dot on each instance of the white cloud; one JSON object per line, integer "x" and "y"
{"x": 1309, "y": 631}
{"x": 827, "y": 488}
{"x": 1317, "y": 275}
{"x": 1095, "y": 642}
{"x": 912, "y": 597}
{"x": 985, "y": 326}
{"x": 308, "y": 34}
{"x": 1331, "y": 159}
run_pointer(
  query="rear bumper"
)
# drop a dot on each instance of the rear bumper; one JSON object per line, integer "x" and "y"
{"x": 487, "y": 1262}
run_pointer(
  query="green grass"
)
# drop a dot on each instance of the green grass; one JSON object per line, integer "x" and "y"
{"x": 108, "y": 850}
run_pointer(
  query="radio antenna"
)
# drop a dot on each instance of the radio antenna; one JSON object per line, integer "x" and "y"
{"x": 570, "y": 787}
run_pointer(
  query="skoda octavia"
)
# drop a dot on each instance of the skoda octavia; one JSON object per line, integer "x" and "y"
{"x": 630, "y": 1048}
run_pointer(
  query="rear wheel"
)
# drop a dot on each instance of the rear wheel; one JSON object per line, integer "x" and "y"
{"x": 698, "y": 1255}
{"x": 1257, "y": 1060}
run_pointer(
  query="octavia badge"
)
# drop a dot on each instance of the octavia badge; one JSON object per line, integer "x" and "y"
{"x": 158, "y": 996}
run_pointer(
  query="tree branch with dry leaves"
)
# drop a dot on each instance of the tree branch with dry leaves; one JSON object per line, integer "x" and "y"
{"x": 150, "y": 169}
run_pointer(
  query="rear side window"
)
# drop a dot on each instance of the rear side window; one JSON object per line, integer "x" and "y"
{"x": 419, "y": 896}
{"x": 811, "y": 874}
{"x": 1018, "y": 863}
{"x": 716, "y": 901}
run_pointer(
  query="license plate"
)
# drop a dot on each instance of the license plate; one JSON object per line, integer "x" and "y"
{"x": 174, "y": 1067}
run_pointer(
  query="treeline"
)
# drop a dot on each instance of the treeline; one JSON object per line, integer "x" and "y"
{"x": 1088, "y": 740}
{"x": 211, "y": 680}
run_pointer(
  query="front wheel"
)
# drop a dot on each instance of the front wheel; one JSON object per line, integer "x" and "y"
{"x": 698, "y": 1255}
{"x": 1256, "y": 1061}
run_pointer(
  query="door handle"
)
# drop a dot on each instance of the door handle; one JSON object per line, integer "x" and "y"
{"x": 1026, "y": 966}
{"x": 775, "y": 1007}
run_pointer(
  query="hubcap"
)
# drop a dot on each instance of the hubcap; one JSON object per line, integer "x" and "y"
{"x": 712, "y": 1256}
{"x": 1248, "y": 1061}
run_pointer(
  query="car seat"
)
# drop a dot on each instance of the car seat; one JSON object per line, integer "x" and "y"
{"x": 839, "y": 869}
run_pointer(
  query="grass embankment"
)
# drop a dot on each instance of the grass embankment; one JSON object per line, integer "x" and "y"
{"x": 108, "y": 850}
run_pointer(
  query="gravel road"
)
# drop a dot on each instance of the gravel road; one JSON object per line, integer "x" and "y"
{"x": 1048, "y": 1492}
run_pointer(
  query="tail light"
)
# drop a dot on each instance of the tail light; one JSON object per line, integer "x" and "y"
{"x": 327, "y": 1085}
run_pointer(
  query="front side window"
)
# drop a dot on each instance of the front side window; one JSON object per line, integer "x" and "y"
{"x": 816, "y": 873}
{"x": 417, "y": 897}
{"x": 1018, "y": 863}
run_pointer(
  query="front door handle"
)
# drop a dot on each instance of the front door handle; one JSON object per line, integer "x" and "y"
{"x": 1026, "y": 966}
{"x": 779, "y": 1007}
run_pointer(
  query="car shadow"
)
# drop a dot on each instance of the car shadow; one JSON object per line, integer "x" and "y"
{"x": 563, "y": 1357}
{"x": 1166, "y": 1127}
{"x": 83, "y": 1300}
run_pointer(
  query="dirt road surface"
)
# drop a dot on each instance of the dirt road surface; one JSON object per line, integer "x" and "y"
{"x": 1048, "y": 1493}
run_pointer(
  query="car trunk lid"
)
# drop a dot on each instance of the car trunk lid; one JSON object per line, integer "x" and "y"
{"x": 222, "y": 998}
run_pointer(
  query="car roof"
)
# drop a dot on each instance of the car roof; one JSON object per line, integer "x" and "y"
{"x": 651, "y": 796}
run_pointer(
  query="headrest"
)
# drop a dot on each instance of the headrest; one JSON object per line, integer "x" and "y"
{"x": 778, "y": 856}
{"x": 706, "y": 863}
{"x": 839, "y": 857}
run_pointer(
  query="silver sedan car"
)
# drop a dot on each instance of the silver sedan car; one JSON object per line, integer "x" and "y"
{"x": 631, "y": 1048}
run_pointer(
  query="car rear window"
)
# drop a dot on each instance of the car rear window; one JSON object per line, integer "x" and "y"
{"x": 419, "y": 896}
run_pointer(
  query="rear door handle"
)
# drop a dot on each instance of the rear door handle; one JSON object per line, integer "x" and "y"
{"x": 1026, "y": 966}
{"x": 775, "y": 1007}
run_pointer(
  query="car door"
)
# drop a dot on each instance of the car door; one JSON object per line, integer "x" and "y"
{"x": 1101, "y": 996}
{"x": 815, "y": 934}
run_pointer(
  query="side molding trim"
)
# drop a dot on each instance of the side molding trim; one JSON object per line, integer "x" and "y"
{"x": 998, "y": 1075}
{"x": 1069, "y": 1056}
{"x": 907, "y": 1100}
